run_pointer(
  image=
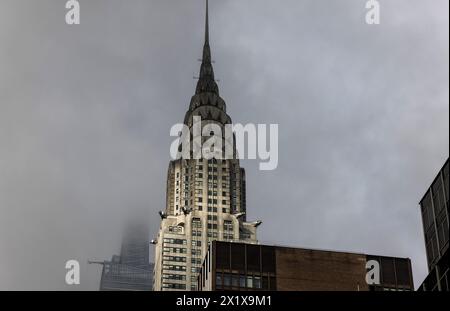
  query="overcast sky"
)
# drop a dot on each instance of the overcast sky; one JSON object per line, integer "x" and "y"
{"x": 85, "y": 114}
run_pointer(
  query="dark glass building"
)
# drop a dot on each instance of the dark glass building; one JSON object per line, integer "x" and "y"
{"x": 434, "y": 208}
{"x": 232, "y": 266}
{"x": 131, "y": 271}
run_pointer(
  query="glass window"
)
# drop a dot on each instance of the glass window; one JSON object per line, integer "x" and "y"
{"x": 257, "y": 282}
{"x": 268, "y": 259}
{"x": 235, "y": 280}
{"x": 388, "y": 271}
{"x": 237, "y": 256}
{"x": 250, "y": 282}
{"x": 402, "y": 272}
{"x": 242, "y": 281}
{"x": 219, "y": 280}
{"x": 265, "y": 282}
{"x": 253, "y": 258}
{"x": 227, "y": 280}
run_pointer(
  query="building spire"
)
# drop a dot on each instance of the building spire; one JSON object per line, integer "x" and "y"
{"x": 206, "y": 82}
{"x": 207, "y": 23}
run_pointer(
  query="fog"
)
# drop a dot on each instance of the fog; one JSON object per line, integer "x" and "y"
{"x": 86, "y": 110}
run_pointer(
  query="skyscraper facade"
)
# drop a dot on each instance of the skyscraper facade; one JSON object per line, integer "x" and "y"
{"x": 121, "y": 275}
{"x": 205, "y": 199}
{"x": 435, "y": 209}
{"x": 131, "y": 271}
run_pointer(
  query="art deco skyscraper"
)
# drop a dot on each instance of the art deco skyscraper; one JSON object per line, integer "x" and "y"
{"x": 205, "y": 198}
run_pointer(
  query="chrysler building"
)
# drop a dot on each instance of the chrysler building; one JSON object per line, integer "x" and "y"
{"x": 205, "y": 199}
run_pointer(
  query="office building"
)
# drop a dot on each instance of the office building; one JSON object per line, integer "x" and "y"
{"x": 131, "y": 270}
{"x": 244, "y": 267}
{"x": 205, "y": 198}
{"x": 434, "y": 209}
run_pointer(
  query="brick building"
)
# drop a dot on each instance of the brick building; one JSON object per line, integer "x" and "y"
{"x": 247, "y": 267}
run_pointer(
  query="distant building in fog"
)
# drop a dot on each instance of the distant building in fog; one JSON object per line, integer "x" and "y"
{"x": 131, "y": 271}
{"x": 434, "y": 207}
{"x": 232, "y": 266}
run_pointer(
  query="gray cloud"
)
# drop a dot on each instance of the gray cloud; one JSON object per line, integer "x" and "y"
{"x": 85, "y": 114}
